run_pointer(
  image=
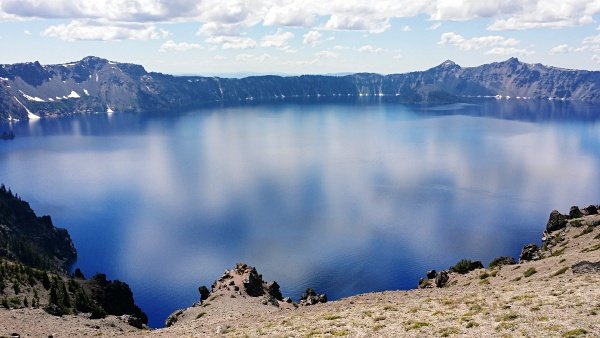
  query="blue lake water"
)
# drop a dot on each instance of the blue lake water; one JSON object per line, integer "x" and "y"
{"x": 344, "y": 198}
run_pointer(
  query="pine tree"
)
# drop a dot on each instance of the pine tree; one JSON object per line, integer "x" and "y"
{"x": 46, "y": 281}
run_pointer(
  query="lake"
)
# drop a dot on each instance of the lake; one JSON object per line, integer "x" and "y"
{"x": 343, "y": 197}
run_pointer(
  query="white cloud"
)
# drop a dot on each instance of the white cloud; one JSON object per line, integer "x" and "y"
{"x": 232, "y": 42}
{"x": 110, "y": 10}
{"x": 596, "y": 58}
{"x": 434, "y": 26}
{"x": 279, "y": 40}
{"x": 294, "y": 14}
{"x": 327, "y": 54}
{"x": 457, "y": 10}
{"x": 171, "y": 45}
{"x": 339, "y": 47}
{"x": 406, "y": 28}
{"x": 561, "y": 49}
{"x": 311, "y": 38}
{"x": 26, "y": 32}
{"x": 510, "y": 51}
{"x": 218, "y": 29}
{"x": 252, "y": 57}
{"x": 453, "y": 39}
{"x": 550, "y": 14}
{"x": 357, "y": 22}
{"x": 93, "y": 30}
{"x": 234, "y": 17}
{"x": 591, "y": 43}
{"x": 370, "y": 49}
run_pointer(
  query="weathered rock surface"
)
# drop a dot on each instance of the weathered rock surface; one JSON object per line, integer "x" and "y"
{"x": 310, "y": 297}
{"x": 590, "y": 210}
{"x": 245, "y": 280}
{"x": 556, "y": 221}
{"x": 575, "y": 212}
{"x": 586, "y": 267}
{"x": 441, "y": 278}
{"x": 530, "y": 252}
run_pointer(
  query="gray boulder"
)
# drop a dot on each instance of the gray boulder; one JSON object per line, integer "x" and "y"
{"x": 574, "y": 212}
{"x": 441, "y": 278}
{"x": 590, "y": 210}
{"x": 310, "y": 297}
{"x": 204, "y": 293}
{"x": 556, "y": 221}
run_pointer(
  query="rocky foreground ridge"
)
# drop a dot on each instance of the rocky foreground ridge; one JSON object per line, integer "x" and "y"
{"x": 32, "y": 90}
{"x": 550, "y": 291}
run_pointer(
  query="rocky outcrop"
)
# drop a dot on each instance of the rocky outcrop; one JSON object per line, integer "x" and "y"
{"x": 556, "y": 221}
{"x": 310, "y": 297}
{"x": 115, "y": 298}
{"x": 530, "y": 252}
{"x": 94, "y": 84}
{"x": 586, "y": 267}
{"x": 441, "y": 279}
{"x": 204, "y": 292}
{"x": 591, "y": 210}
{"x": 574, "y": 212}
{"x": 246, "y": 281}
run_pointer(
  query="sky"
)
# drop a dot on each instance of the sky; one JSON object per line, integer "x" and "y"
{"x": 301, "y": 36}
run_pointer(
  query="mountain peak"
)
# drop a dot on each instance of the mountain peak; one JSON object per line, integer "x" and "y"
{"x": 93, "y": 59}
{"x": 448, "y": 63}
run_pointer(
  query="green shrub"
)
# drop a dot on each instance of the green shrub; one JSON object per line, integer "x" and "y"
{"x": 529, "y": 272}
{"x": 560, "y": 272}
{"x": 466, "y": 265}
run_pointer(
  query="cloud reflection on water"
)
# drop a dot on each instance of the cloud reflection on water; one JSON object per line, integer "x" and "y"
{"x": 344, "y": 198}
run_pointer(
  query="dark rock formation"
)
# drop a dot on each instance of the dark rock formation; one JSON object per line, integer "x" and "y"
{"x": 204, "y": 292}
{"x": 78, "y": 274}
{"x": 586, "y": 267}
{"x": 556, "y": 221}
{"x": 502, "y": 260}
{"x": 425, "y": 283}
{"x": 32, "y": 240}
{"x": 441, "y": 278}
{"x": 590, "y": 210}
{"x": 253, "y": 283}
{"x": 574, "y": 212}
{"x": 115, "y": 297}
{"x": 310, "y": 297}
{"x": 245, "y": 280}
{"x": 530, "y": 252}
{"x": 97, "y": 85}
{"x": 431, "y": 274}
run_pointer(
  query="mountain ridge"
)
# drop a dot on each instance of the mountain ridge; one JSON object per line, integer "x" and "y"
{"x": 93, "y": 84}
